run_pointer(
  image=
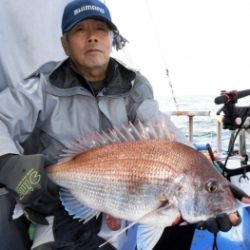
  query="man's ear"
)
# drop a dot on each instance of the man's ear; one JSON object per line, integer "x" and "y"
{"x": 65, "y": 46}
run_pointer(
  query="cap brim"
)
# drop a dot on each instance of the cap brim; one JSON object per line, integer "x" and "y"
{"x": 109, "y": 23}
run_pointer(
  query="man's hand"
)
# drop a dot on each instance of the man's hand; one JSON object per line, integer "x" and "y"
{"x": 224, "y": 222}
{"x": 25, "y": 178}
{"x": 113, "y": 223}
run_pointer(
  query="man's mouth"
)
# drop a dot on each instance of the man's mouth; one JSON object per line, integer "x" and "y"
{"x": 93, "y": 51}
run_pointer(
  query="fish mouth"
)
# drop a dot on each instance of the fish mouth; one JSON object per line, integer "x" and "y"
{"x": 239, "y": 193}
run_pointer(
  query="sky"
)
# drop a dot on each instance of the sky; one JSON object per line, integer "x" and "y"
{"x": 204, "y": 44}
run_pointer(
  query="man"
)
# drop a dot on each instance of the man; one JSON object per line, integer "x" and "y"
{"x": 87, "y": 92}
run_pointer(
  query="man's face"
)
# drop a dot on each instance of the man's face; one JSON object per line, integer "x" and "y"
{"x": 89, "y": 44}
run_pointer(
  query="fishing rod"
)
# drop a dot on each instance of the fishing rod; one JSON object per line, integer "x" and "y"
{"x": 161, "y": 48}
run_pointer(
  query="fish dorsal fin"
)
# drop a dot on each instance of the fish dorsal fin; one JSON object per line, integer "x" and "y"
{"x": 126, "y": 133}
{"x": 75, "y": 208}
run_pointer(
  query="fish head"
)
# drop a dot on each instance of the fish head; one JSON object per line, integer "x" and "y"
{"x": 203, "y": 192}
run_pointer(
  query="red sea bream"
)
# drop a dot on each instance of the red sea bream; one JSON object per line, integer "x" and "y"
{"x": 140, "y": 174}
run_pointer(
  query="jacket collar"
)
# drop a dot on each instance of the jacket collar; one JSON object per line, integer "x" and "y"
{"x": 119, "y": 78}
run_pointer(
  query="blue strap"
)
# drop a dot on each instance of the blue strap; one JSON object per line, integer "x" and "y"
{"x": 130, "y": 244}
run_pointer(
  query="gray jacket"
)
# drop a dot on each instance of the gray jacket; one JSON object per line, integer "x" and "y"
{"x": 59, "y": 102}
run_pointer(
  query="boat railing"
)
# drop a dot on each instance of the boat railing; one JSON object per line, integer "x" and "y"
{"x": 218, "y": 119}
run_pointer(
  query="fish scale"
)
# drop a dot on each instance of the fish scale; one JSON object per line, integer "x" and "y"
{"x": 132, "y": 175}
{"x": 140, "y": 173}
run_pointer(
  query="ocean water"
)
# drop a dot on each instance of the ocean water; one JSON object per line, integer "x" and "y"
{"x": 204, "y": 127}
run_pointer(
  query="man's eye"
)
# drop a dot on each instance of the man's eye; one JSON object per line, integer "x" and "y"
{"x": 78, "y": 28}
{"x": 103, "y": 28}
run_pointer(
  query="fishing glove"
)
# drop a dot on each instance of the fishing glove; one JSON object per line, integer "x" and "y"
{"x": 220, "y": 223}
{"x": 25, "y": 178}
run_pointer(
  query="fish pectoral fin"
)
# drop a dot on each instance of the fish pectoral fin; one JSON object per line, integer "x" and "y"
{"x": 75, "y": 208}
{"x": 147, "y": 236}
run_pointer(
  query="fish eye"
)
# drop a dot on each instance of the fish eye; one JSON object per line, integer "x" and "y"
{"x": 211, "y": 186}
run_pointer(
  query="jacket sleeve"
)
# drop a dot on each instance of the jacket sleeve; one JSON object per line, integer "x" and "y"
{"x": 19, "y": 110}
{"x": 146, "y": 109}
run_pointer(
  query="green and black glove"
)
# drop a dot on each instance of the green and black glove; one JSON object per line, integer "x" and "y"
{"x": 25, "y": 178}
{"x": 221, "y": 222}
{"x": 224, "y": 222}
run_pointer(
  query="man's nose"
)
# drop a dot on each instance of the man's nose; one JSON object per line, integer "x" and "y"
{"x": 92, "y": 40}
{"x": 92, "y": 36}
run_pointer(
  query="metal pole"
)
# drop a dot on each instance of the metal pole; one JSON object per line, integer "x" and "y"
{"x": 190, "y": 120}
{"x": 242, "y": 142}
{"x": 218, "y": 136}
